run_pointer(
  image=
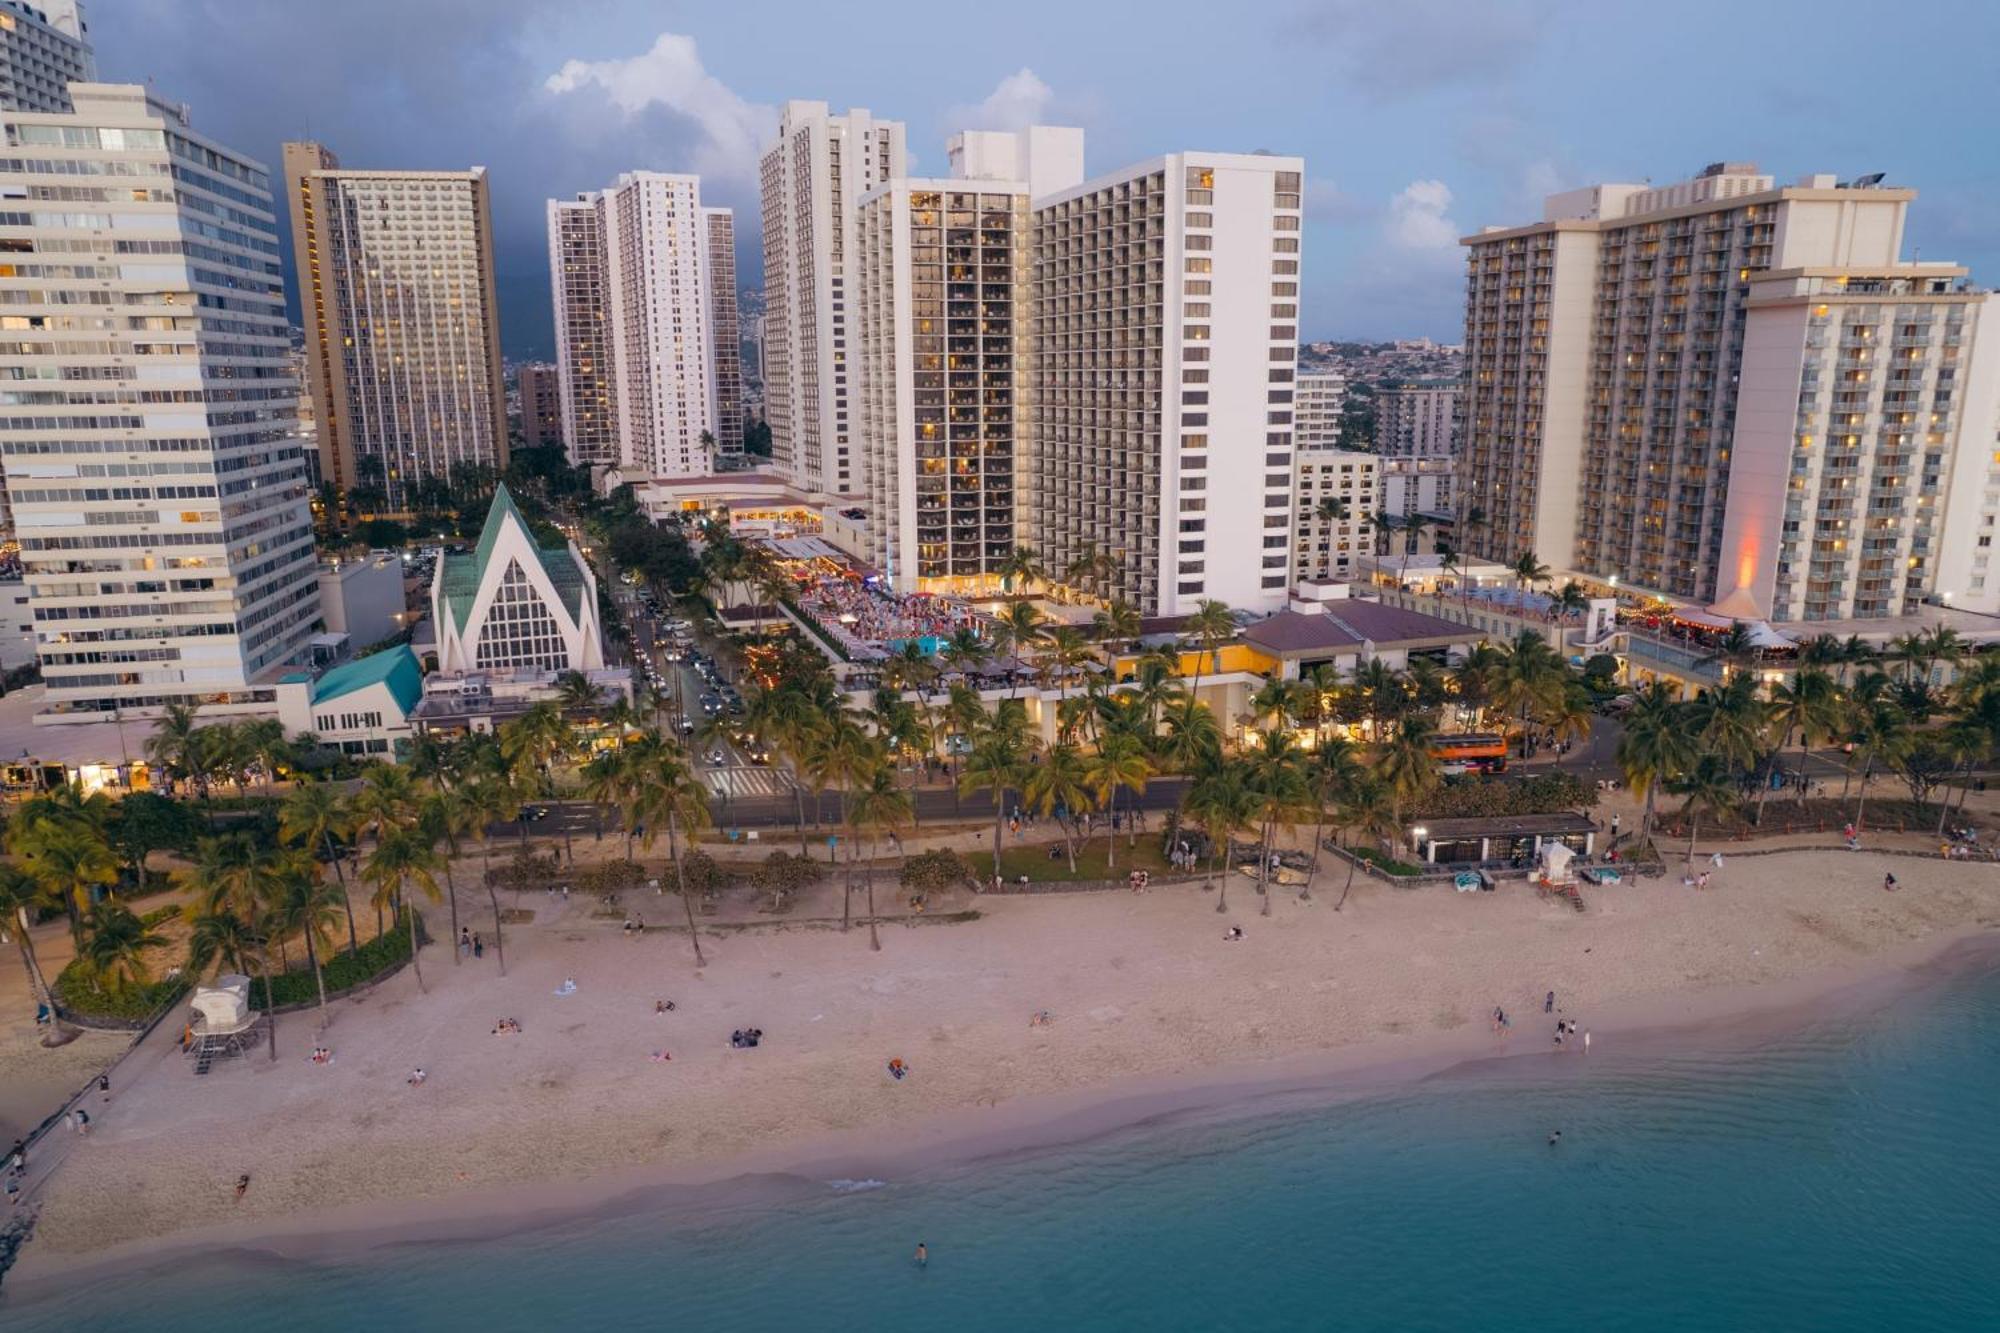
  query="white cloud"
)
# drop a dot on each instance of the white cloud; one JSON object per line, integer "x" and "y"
{"x": 1418, "y": 219}
{"x": 1020, "y": 100}
{"x": 670, "y": 77}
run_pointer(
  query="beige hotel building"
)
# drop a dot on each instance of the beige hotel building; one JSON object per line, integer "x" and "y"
{"x": 402, "y": 325}
{"x": 1733, "y": 392}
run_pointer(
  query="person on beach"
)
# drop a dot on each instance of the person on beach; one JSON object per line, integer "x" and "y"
{"x": 1586, "y": 1041}
{"x": 1549, "y": 1005}
{"x": 81, "y": 1119}
{"x": 242, "y": 1187}
{"x": 478, "y": 947}
{"x": 1233, "y": 933}
{"x": 417, "y": 1076}
{"x": 1889, "y": 883}
{"x": 104, "y": 1089}
{"x": 465, "y": 942}
{"x": 663, "y": 1006}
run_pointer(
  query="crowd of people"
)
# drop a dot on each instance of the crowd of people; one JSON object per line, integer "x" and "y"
{"x": 870, "y": 622}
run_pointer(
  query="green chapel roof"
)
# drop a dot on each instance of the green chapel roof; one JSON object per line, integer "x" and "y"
{"x": 462, "y": 575}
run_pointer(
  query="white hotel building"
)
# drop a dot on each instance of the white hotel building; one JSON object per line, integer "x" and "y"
{"x": 812, "y": 179}
{"x": 158, "y": 488}
{"x": 1166, "y": 301}
{"x": 651, "y": 235}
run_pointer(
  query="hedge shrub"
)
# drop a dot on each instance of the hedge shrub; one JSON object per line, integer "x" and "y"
{"x": 79, "y": 994}
{"x": 341, "y": 971}
{"x": 1543, "y": 794}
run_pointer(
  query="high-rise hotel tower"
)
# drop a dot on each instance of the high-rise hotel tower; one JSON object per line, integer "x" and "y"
{"x": 148, "y": 426}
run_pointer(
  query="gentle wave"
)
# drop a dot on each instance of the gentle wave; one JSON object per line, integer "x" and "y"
{"x": 855, "y": 1186}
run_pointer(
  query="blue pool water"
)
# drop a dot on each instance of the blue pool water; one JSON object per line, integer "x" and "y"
{"x": 930, "y": 643}
{"x": 1844, "y": 1176}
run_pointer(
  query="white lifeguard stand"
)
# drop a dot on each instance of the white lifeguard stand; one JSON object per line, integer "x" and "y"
{"x": 223, "y": 1022}
{"x": 1556, "y": 867}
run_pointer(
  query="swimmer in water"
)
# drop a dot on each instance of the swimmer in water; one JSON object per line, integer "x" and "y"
{"x": 923, "y": 1255}
{"x": 1555, "y": 1137}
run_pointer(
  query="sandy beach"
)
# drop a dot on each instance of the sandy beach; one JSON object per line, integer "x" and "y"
{"x": 1144, "y": 993}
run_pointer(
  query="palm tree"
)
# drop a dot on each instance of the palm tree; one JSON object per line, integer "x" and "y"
{"x": 20, "y": 895}
{"x": 1335, "y": 766}
{"x": 1018, "y": 630}
{"x": 1406, "y": 765}
{"x": 492, "y": 794}
{"x": 263, "y": 739}
{"x": 68, "y": 858}
{"x": 1531, "y": 679}
{"x": 1809, "y": 705}
{"x": 997, "y": 762}
{"x": 1119, "y": 764}
{"x": 171, "y": 747}
{"x": 1275, "y": 778}
{"x": 576, "y": 693}
{"x": 1118, "y": 622}
{"x": 313, "y": 815}
{"x": 1414, "y": 528}
{"x": 445, "y": 815}
{"x": 1656, "y": 745}
{"x": 1384, "y": 523}
{"x": 1706, "y": 786}
{"x": 114, "y": 947}
{"x": 308, "y": 906}
{"x": 875, "y": 806}
{"x": 225, "y": 939}
{"x": 1068, "y": 650}
{"x": 235, "y": 875}
{"x": 964, "y": 650}
{"x": 1731, "y": 720}
{"x": 1367, "y": 809}
{"x": 681, "y": 800}
{"x": 531, "y": 743}
{"x": 1021, "y": 566}
{"x": 1528, "y": 570}
{"x": 403, "y": 859}
{"x": 1212, "y": 625}
{"x": 1219, "y": 798}
{"x": 1059, "y": 788}
{"x": 1736, "y": 647}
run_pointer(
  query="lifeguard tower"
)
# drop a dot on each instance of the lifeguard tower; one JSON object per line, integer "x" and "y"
{"x": 223, "y": 1022}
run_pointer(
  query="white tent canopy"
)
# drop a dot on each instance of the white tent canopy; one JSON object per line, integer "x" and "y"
{"x": 1762, "y": 635}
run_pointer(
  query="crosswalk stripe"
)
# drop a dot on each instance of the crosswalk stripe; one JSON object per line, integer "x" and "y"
{"x": 747, "y": 782}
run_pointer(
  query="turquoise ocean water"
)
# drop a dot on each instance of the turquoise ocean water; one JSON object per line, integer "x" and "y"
{"x": 1843, "y": 1176}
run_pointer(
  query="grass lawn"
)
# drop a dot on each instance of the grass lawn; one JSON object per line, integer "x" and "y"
{"x": 1033, "y": 861}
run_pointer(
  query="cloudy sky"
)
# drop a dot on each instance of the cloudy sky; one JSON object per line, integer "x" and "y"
{"x": 1420, "y": 120}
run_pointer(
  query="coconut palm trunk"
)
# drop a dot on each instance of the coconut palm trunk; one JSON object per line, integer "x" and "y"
{"x": 680, "y": 882}
{"x": 1264, "y": 869}
{"x": 874, "y": 936}
{"x": 319, "y": 977}
{"x": 1222, "y": 890}
{"x": 38, "y": 983}
{"x": 451, "y": 896}
{"x": 1353, "y": 863}
{"x": 270, "y": 1005}
{"x": 415, "y": 961}
{"x": 340, "y": 877}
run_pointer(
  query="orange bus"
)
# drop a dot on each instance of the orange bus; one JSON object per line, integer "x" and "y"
{"x": 1478, "y": 751}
